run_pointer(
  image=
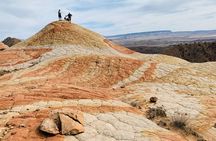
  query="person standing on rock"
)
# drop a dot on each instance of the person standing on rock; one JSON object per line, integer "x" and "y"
{"x": 59, "y": 15}
{"x": 69, "y": 17}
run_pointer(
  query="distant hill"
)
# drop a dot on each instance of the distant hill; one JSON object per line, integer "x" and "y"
{"x": 163, "y": 38}
{"x": 197, "y": 52}
{"x": 11, "y": 41}
{"x": 164, "y": 33}
{"x": 193, "y": 46}
{"x": 140, "y": 34}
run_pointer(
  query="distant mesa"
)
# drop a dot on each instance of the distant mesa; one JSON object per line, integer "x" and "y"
{"x": 193, "y": 46}
{"x": 9, "y": 41}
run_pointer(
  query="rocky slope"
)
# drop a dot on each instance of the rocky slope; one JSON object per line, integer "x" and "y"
{"x": 68, "y": 66}
{"x": 197, "y": 52}
{"x": 11, "y": 41}
{"x": 3, "y": 46}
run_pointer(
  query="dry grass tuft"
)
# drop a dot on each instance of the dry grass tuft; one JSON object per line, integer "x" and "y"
{"x": 180, "y": 120}
{"x": 156, "y": 112}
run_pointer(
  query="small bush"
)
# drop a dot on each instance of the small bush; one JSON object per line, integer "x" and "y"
{"x": 180, "y": 120}
{"x": 156, "y": 112}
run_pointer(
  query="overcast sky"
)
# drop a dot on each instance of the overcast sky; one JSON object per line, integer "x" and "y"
{"x": 23, "y": 18}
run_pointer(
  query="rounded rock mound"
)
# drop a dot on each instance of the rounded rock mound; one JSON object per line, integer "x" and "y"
{"x": 64, "y": 33}
{"x": 11, "y": 41}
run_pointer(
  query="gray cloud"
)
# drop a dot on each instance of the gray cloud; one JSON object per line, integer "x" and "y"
{"x": 164, "y": 7}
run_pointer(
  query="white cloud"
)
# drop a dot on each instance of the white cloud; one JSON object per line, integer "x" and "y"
{"x": 22, "y": 18}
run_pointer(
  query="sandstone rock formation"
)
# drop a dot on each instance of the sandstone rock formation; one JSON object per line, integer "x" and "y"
{"x": 68, "y": 66}
{"x": 70, "y": 126}
{"x": 69, "y": 122}
{"x": 3, "y": 46}
{"x": 11, "y": 41}
{"x": 49, "y": 126}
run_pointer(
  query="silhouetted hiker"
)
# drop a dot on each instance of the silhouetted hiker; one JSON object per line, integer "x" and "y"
{"x": 59, "y": 14}
{"x": 68, "y": 17}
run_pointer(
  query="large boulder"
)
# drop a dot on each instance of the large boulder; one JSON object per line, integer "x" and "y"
{"x": 49, "y": 126}
{"x": 74, "y": 114}
{"x": 70, "y": 126}
{"x": 64, "y": 121}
